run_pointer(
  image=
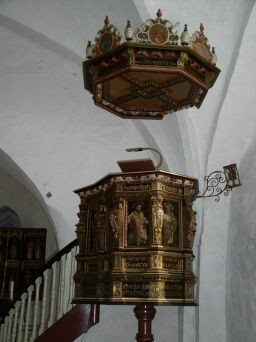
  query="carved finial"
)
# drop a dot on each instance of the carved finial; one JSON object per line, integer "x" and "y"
{"x": 201, "y": 28}
{"x": 214, "y": 56}
{"x": 89, "y": 50}
{"x": 106, "y": 21}
{"x": 128, "y": 31}
{"x": 185, "y": 36}
{"x": 159, "y": 13}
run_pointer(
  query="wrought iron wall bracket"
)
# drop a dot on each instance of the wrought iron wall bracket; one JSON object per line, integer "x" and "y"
{"x": 216, "y": 184}
{"x": 221, "y": 182}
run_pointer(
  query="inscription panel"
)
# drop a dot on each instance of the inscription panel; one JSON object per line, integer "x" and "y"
{"x": 136, "y": 289}
{"x": 136, "y": 263}
{"x": 160, "y": 290}
{"x": 147, "y": 61}
{"x": 169, "y": 188}
{"x": 174, "y": 290}
{"x": 136, "y": 187}
{"x": 172, "y": 264}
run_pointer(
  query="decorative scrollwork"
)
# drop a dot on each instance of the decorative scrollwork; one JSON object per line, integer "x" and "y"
{"x": 216, "y": 184}
{"x": 199, "y": 43}
{"x": 157, "y": 32}
{"x": 107, "y": 38}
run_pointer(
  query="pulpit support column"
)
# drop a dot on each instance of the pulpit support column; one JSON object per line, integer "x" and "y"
{"x": 144, "y": 313}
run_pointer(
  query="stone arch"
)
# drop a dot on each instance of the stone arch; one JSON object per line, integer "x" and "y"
{"x": 9, "y": 218}
{"x": 22, "y": 204}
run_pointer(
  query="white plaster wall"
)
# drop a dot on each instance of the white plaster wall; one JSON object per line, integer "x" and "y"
{"x": 216, "y": 135}
{"x": 200, "y": 130}
{"x": 241, "y": 270}
{"x": 229, "y": 242}
{"x": 59, "y": 138}
{"x": 118, "y": 323}
{"x": 71, "y": 24}
{"x": 62, "y": 141}
{"x": 224, "y": 23}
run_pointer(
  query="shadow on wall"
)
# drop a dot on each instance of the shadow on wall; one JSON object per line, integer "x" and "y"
{"x": 241, "y": 255}
{"x": 66, "y": 235}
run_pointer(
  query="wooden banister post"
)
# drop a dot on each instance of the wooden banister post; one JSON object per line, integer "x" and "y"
{"x": 28, "y": 311}
{"x": 21, "y": 319}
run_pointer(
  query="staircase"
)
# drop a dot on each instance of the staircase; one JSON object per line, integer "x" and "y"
{"x": 44, "y": 311}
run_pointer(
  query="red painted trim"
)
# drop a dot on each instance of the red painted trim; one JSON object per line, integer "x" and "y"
{"x": 72, "y": 325}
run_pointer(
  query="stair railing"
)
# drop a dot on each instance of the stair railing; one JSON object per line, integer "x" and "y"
{"x": 45, "y": 300}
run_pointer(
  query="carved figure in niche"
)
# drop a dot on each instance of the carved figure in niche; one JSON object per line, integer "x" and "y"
{"x": 13, "y": 248}
{"x": 94, "y": 243}
{"x": 98, "y": 224}
{"x": 29, "y": 248}
{"x": 2, "y": 251}
{"x": 99, "y": 217}
{"x": 38, "y": 249}
{"x": 169, "y": 225}
{"x": 137, "y": 222}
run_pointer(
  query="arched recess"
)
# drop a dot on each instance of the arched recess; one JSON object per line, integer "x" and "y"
{"x": 21, "y": 204}
{"x": 9, "y": 218}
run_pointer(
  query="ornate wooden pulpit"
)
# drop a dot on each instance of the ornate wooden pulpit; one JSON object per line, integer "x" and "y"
{"x": 135, "y": 233}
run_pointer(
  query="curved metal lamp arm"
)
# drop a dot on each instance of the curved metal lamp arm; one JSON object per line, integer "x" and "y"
{"x": 139, "y": 149}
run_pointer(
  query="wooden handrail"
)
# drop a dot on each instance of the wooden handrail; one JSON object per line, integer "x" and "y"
{"x": 58, "y": 255}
